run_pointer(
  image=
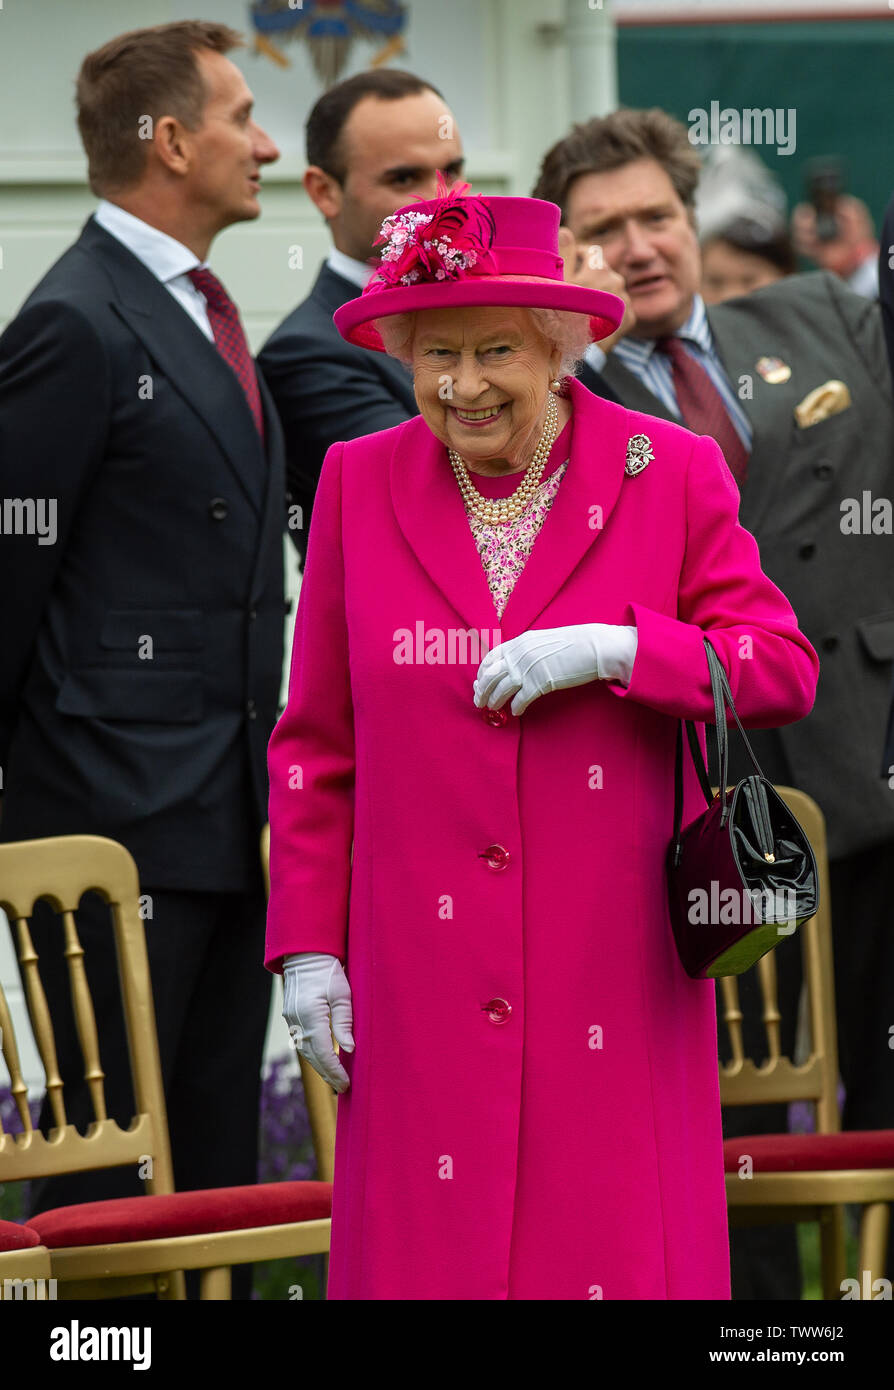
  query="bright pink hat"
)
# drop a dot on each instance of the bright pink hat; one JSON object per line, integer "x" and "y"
{"x": 462, "y": 249}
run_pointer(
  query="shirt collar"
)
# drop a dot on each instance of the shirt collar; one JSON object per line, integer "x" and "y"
{"x": 160, "y": 253}
{"x": 696, "y": 329}
{"x": 358, "y": 272}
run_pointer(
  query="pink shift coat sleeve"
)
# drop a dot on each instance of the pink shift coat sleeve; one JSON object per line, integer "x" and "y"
{"x": 312, "y": 802}
{"x": 723, "y": 594}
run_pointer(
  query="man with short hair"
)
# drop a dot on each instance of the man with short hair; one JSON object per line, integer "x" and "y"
{"x": 143, "y": 654}
{"x": 745, "y": 371}
{"x": 373, "y": 143}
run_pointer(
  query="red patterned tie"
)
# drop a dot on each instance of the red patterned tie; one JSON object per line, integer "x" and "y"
{"x": 702, "y": 407}
{"x": 229, "y": 338}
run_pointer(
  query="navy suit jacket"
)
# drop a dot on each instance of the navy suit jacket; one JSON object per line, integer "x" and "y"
{"x": 327, "y": 390}
{"x": 142, "y": 656}
{"x": 886, "y": 298}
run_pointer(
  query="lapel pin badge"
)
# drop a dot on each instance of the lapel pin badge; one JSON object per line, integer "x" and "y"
{"x": 773, "y": 370}
{"x": 639, "y": 453}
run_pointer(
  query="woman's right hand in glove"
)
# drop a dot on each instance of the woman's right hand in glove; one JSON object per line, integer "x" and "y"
{"x": 314, "y": 987}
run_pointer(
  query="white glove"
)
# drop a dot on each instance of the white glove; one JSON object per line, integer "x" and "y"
{"x": 554, "y": 658}
{"x": 313, "y": 985}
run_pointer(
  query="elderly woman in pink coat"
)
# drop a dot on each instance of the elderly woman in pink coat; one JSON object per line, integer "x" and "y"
{"x": 471, "y": 792}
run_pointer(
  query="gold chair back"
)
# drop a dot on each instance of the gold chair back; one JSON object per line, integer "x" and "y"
{"x": 779, "y": 1078}
{"x": 61, "y": 870}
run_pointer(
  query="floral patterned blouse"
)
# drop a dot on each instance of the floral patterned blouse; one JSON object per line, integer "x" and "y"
{"x": 504, "y": 549}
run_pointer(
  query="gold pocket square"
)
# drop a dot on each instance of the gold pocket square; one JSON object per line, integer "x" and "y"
{"x": 829, "y": 399}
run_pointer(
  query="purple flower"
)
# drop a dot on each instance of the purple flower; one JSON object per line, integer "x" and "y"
{"x": 286, "y": 1146}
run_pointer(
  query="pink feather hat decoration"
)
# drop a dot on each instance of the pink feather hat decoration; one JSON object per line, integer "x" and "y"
{"x": 471, "y": 249}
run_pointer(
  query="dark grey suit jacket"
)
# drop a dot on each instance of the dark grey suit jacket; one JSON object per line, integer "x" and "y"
{"x": 886, "y": 299}
{"x": 841, "y": 586}
{"x": 326, "y": 389}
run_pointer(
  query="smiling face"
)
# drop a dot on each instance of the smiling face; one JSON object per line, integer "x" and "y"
{"x": 481, "y": 377}
{"x": 227, "y": 150}
{"x": 646, "y": 235}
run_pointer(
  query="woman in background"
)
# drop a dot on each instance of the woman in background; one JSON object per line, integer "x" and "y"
{"x": 745, "y": 256}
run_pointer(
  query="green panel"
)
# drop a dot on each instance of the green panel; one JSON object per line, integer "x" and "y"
{"x": 836, "y": 76}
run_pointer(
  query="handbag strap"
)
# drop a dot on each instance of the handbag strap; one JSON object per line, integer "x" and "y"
{"x": 721, "y": 679}
{"x": 723, "y": 696}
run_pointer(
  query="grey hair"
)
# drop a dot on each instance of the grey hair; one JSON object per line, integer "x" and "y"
{"x": 564, "y": 330}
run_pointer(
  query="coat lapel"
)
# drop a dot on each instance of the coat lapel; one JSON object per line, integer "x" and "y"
{"x": 274, "y": 499}
{"x": 769, "y": 410}
{"x": 191, "y": 363}
{"x": 628, "y": 388}
{"x": 595, "y": 382}
{"x": 431, "y": 514}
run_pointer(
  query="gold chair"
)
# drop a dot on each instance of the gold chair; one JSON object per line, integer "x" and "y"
{"x": 23, "y": 1262}
{"x": 319, "y": 1097}
{"x": 139, "y": 1244}
{"x": 805, "y": 1177}
{"x": 22, "y": 1257}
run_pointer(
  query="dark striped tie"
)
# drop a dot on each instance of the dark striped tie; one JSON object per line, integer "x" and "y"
{"x": 702, "y": 408}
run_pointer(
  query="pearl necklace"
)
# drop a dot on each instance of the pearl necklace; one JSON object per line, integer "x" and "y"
{"x": 496, "y": 510}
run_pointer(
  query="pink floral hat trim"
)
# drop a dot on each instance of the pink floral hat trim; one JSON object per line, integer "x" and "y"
{"x": 471, "y": 249}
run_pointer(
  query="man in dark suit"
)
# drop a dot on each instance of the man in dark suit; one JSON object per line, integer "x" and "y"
{"x": 886, "y": 299}
{"x": 142, "y": 656}
{"x": 373, "y": 143}
{"x": 886, "y": 282}
{"x": 746, "y": 372}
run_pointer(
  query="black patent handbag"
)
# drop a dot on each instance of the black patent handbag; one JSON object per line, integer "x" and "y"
{"x": 742, "y": 876}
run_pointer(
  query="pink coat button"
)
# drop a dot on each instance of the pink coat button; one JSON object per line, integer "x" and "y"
{"x": 495, "y": 856}
{"x": 497, "y": 1010}
{"x": 496, "y": 717}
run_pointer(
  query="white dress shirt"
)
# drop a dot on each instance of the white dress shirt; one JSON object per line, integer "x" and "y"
{"x": 358, "y": 272}
{"x": 169, "y": 260}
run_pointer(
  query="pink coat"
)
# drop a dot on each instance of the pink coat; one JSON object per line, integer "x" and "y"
{"x": 569, "y": 1148}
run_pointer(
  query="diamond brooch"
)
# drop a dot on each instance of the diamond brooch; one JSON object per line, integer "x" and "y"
{"x": 639, "y": 453}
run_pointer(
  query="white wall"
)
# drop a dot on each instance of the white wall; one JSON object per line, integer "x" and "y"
{"x": 503, "y": 66}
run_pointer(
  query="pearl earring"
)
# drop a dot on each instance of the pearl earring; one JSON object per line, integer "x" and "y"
{"x": 555, "y": 385}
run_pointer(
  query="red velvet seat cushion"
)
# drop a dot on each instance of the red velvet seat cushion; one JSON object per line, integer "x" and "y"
{"x": 803, "y": 1153}
{"x": 16, "y": 1237}
{"x": 183, "y": 1213}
